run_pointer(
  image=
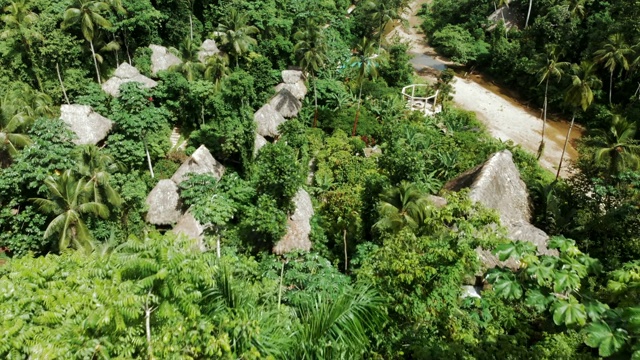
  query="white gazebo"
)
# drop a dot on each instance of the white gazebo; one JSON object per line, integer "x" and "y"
{"x": 426, "y": 104}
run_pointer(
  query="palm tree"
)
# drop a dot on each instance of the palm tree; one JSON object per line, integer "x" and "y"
{"x": 579, "y": 94}
{"x": 367, "y": 62}
{"x": 11, "y": 139}
{"x": 69, "y": 203}
{"x": 402, "y": 206}
{"x": 575, "y": 8}
{"x": 190, "y": 66}
{"x": 526, "y": 23}
{"x": 311, "y": 50}
{"x": 216, "y": 67}
{"x": 550, "y": 68}
{"x": 96, "y": 168}
{"x": 236, "y": 34}
{"x": 382, "y": 11}
{"x": 614, "y": 52}
{"x": 88, "y": 14}
{"x": 20, "y": 21}
{"x": 23, "y": 101}
{"x": 617, "y": 146}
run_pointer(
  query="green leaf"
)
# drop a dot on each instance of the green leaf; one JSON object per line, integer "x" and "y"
{"x": 561, "y": 243}
{"x": 595, "y": 309}
{"x": 537, "y": 300}
{"x": 569, "y": 313}
{"x": 543, "y": 272}
{"x": 564, "y": 280}
{"x": 608, "y": 342}
{"x": 508, "y": 288}
{"x": 505, "y": 251}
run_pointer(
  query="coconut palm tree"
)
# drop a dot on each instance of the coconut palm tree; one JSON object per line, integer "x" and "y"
{"x": 617, "y": 146}
{"x": 11, "y": 138}
{"x": 549, "y": 68}
{"x": 69, "y": 202}
{"x": 526, "y": 23}
{"x": 19, "y": 22}
{"x": 579, "y": 95}
{"x": 216, "y": 67}
{"x": 235, "y": 34}
{"x": 382, "y": 11}
{"x": 88, "y": 13}
{"x": 367, "y": 61}
{"x": 614, "y": 53}
{"x": 22, "y": 100}
{"x": 311, "y": 50}
{"x": 96, "y": 168}
{"x": 575, "y": 8}
{"x": 190, "y": 67}
{"x": 402, "y": 206}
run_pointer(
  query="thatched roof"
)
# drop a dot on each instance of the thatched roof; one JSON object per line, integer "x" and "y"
{"x": 162, "y": 59}
{"x": 258, "y": 143}
{"x": 292, "y": 76}
{"x": 496, "y": 184}
{"x": 165, "y": 207}
{"x": 437, "y": 201}
{"x": 298, "y": 226}
{"x": 267, "y": 121}
{"x": 190, "y": 227}
{"x": 126, "y": 73}
{"x": 512, "y": 18}
{"x": 208, "y": 48}
{"x": 286, "y": 103}
{"x": 89, "y": 126}
{"x": 298, "y": 89}
{"x": 201, "y": 162}
{"x": 372, "y": 151}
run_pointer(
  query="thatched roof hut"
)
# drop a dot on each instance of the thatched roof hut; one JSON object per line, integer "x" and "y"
{"x": 286, "y": 103}
{"x": 89, "y": 126}
{"x": 496, "y": 184}
{"x": 299, "y": 89}
{"x": 258, "y": 143}
{"x": 511, "y": 17}
{"x": 162, "y": 59}
{"x": 292, "y": 76}
{"x": 200, "y": 162}
{"x": 298, "y": 226}
{"x": 267, "y": 120}
{"x": 208, "y": 48}
{"x": 165, "y": 207}
{"x": 126, "y": 73}
{"x": 190, "y": 227}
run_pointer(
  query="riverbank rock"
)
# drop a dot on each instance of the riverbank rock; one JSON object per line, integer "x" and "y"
{"x": 126, "y": 73}
{"x": 165, "y": 207}
{"x": 208, "y": 48}
{"x": 298, "y": 226}
{"x": 89, "y": 126}
{"x": 496, "y": 184}
{"x": 200, "y": 162}
{"x": 267, "y": 120}
{"x": 162, "y": 59}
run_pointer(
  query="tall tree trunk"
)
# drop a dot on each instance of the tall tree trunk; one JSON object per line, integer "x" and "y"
{"x": 315, "y": 99}
{"x": 64, "y": 91}
{"x": 116, "y": 51}
{"x": 526, "y": 23}
{"x": 146, "y": 150}
{"x": 344, "y": 240}
{"x": 280, "y": 286}
{"x": 126, "y": 45}
{"x": 95, "y": 62}
{"x": 544, "y": 119}
{"x": 218, "y": 246}
{"x": 191, "y": 23}
{"x": 380, "y": 36}
{"x": 147, "y": 324}
{"x": 610, "y": 86}
{"x": 355, "y": 123}
{"x": 564, "y": 149}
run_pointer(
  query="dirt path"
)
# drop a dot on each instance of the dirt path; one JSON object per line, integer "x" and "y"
{"x": 503, "y": 116}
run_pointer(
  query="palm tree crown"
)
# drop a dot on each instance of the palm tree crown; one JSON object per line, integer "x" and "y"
{"x": 614, "y": 53}
{"x": 235, "y": 33}
{"x": 96, "y": 168}
{"x": 617, "y": 146}
{"x": 402, "y": 206}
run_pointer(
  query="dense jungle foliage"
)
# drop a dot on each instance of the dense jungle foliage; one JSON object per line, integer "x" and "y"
{"x": 83, "y": 276}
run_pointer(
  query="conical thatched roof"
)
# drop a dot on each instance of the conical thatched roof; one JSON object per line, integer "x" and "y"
{"x": 89, "y": 126}
{"x": 208, "y": 48}
{"x": 126, "y": 73}
{"x": 162, "y": 59}
{"x": 201, "y": 162}
{"x": 258, "y": 143}
{"x": 286, "y": 103}
{"x": 298, "y": 226}
{"x": 299, "y": 89}
{"x": 190, "y": 227}
{"x": 496, "y": 184}
{"x": 512, "y": 18}
{"x": 292, "y": 76}
{"x": 165, "y": 207}
{"x": 267, "y": 121}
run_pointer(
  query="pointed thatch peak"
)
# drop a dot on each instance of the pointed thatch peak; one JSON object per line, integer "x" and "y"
{"x": 267, "y": 120}
{"x": 200, "y": 162}
{"x": 165, "y": 207}
{"x": 496, "y": 184}
{"x": 298, "y": 226}
{"x": 292, "y": 76}
{"x": 89, "y": 126}
{"x": 286, "y": 103}
{"x": 162, "y": 59}
{"x": 191, "y": 228}
{"x": 208, "y": 48}
{"x": 298, "y": 89}
{"x": 511, "y": 17}
{"x": 258, "y": 143}
{"x": 126, "y": 73}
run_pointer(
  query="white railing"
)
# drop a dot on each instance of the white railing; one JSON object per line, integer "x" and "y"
{"x": 428, "y": 105}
